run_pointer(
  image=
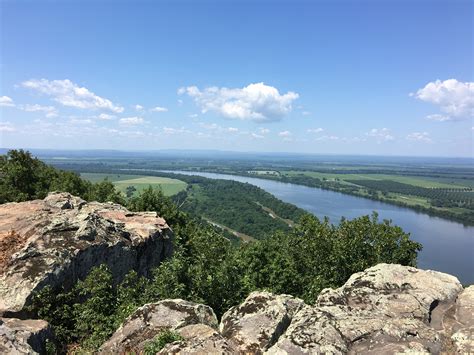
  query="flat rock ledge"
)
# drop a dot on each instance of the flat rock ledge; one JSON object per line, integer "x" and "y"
{"x": 57, "y": 241}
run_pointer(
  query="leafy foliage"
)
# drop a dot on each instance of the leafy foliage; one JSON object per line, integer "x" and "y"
{"x": 159, "y": 342}
{"x": 23, "y": 178}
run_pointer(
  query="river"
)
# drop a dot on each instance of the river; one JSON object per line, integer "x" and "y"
{"x": 447, "y": 246}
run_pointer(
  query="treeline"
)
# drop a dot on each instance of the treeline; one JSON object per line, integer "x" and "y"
{"x": 440, "y": 197}
{"x": 23, "y": 177}
{"x": 236, "y": 205}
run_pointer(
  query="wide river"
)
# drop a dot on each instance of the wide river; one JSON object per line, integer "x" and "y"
{"x": 447, "y": 246}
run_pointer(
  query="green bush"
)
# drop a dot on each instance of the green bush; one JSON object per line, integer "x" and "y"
{"x": 159, "y": 342}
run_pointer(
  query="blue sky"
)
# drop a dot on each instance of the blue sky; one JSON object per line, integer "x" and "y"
{"x": 343, "y": 77}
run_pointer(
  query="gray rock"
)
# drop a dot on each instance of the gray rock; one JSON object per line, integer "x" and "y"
{"x": 258, "y": 322}
{"x": 200, "y": 339}
{"x": 23, "y": 336}
{"x": 57, "y": 241}
{"x": 147, "y": 322}
{"x": 385, "y": 309}
{"x": 462, "y": 325}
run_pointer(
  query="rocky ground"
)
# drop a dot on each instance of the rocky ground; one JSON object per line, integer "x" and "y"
{"x": 385, "y": 309}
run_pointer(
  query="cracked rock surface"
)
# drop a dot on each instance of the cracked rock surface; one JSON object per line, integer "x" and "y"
{"x": 58, "y": 240}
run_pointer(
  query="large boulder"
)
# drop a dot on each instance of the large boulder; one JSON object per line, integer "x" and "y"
{"x": 23, "y": 336}
{"x": 385, "y": 309}
{"x": 258, "y": 322}
{"x": 148, "y": 321}
{"x": 57, "y": 241}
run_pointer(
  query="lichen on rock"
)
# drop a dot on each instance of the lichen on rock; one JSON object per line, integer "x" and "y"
{"x": 57, "y": 241}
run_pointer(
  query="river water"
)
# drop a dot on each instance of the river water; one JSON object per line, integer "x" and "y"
{"x": 447, "y": 246}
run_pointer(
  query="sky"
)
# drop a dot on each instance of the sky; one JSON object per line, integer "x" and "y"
{"x": 325, "y": 77}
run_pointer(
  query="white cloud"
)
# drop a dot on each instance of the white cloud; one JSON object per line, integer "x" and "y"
{"x": 130, "y": 121}
{"x": 453, "y": 97}
{"x": 193, "y": 115}
{"x": 257, "y": 102}
{"x": 70, "y": 94}
{"x": 232, "y": 129}
{"x": 264, "y": 130}
{"x": 257, "y": 136}
{"x": 6, "y": 101}
{"x": 105, "y": 117}
{"x": 419, "y": 137}
{"x": 327, "y": 138}
{"x": 171, "y": 130}
{"x": 380, "y": 134}
{"x": 314, "y": 130}
{"x": 306, "y": 113}
{"x": 6, "y": 127}
{"x": 50, "y": 111}
{"x": 285, "y": 134}
{"x": 159, "y": 109}
{"x": 139, "y": 107}
{"x": 438, "y": 117}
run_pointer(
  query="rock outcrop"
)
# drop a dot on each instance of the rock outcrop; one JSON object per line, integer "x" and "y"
{"x": 386, "y": 309}
{"x": 148, "y": 321}
{"x": 23, "y": 336}
{"x": 259, "y": 321}
{"x": 57, "y": 241}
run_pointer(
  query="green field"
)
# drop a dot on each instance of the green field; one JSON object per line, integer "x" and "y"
{"x": 415, "y": 181}
{"x": 140, "y": 182}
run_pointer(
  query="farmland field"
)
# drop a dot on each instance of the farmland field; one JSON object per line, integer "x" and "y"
{"x": 411, "y": 180}
{"x": 122, "y": 181}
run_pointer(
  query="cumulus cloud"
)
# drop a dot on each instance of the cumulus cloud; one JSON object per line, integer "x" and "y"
{"x": 256, "y": 136}
{"x": 439, "y": 118}
{"x": 453, "y": 97}
{"x": 232, "y": 129}
{"x": 50, "y": 111}
{"x": 285, "y": 134}
{"x": 130, "y": 121}
{"x": 159, "y": 109}
{"x": 264, "y": 130}
{"x": 105, "y": 117}
{"x": 139, "y": 107}
{"x": 257, "y": 102}
{"x": 6, "y": 127}
{"x": 380, "y": 134}
{"x": 70, "y": 94}
{"x": 6, "y": 101}
{"x": 314, "y": 130}
{"x": 419, "y": 137}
